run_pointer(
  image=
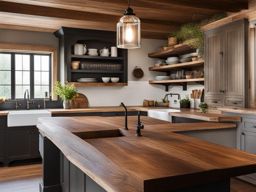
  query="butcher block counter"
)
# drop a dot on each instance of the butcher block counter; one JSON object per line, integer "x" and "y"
{"x": 162, "y": 160}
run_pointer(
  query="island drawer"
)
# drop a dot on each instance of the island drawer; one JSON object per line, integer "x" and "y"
{"x": 249, "y": 123}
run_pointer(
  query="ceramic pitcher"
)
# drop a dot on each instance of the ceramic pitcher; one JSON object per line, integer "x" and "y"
{"x": 80, "y": 49}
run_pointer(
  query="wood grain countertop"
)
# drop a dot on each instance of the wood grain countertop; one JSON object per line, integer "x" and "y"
{"x": 212, "y": 117}
{"x": 4, "y": 113}
{"x": 161, "y": 160}
{"x": 245, "y": 111}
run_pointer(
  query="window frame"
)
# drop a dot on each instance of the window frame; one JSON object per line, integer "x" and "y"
{"x": 36, "y": 49}
{"x": 31, "y": 73}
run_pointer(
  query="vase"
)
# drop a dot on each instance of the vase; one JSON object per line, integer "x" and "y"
{"x": 66, "y": 104}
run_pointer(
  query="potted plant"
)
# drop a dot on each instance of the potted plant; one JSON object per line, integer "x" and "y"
{"x": 203, "y": 107}
{"x": 191, "y": 34}
{"x": 185, "y": 103}
{"x": 66, "y": 92}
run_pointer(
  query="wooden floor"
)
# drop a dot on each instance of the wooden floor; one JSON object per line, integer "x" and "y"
{"x": 27, "y": 178}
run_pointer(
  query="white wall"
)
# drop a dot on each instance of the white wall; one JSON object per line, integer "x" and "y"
{"x": 137, "y": 90}
{"x": 133, "y": 94}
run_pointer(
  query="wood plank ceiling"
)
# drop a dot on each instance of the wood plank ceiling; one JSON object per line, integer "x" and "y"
{"x": 159, "y": 17}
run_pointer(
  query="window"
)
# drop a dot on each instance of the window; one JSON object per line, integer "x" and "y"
{"x": 21, "y": 71}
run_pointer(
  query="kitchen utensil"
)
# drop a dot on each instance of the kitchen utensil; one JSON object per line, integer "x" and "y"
{"x": 114, "y": 79}
{"x": 105, "y": 79}
{"x": 160, "y": 78}
{"x": 104, "y": 52}
{"x": 80, "y": 101}
{"x": 80, "y": 49}
{"x": 138, "y": 72}
{"x": 93, "y": 52}
{"x": 75, "y": 65}
{"x": 113, "y": 51}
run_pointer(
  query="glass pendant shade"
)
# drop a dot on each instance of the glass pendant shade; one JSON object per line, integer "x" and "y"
{"x": 128, "y": 32}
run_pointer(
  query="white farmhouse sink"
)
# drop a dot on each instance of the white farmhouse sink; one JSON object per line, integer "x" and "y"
{"x": 26, "y": 117}
{"x": 162, "y": 114}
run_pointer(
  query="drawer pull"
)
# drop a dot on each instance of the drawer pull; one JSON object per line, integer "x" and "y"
{"x": 215, "y": 101}
{"x": 254, "y": 126}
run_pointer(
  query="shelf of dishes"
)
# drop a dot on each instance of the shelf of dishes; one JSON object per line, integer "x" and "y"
{"x": 82, "y": 50}
{"x": 77, "y": 65}
{"x": 176, "y": 81}
{"x": 173, "y": 51}
{"x": 97, "y": 84}
{"x": 167, "y": 67}
{"x": 96, "y": 57}
{"x": 96, "y": 71}
{"x": 98, "y": 80}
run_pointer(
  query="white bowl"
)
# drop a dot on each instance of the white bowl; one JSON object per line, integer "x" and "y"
{"x": 172, "y": 62}
{"x": 160, "y": 78}
{"x": 172, "y": 59}
{"x": 105, "y": 79}
{"x": 114, "y": 79}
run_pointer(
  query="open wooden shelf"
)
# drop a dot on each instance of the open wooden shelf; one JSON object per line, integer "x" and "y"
{"x": 176, "y": 81}
{"x": 97, "y": 57}
{"x": 178, "y": 50}
{"x": 167, "y": 67}
{"x": 95, "y": 71}
{"x": 97, "y": 84}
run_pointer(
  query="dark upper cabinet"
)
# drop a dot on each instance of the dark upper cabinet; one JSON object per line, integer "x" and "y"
{"x": 90, "y": 66}
{"x": 225, "y": 65}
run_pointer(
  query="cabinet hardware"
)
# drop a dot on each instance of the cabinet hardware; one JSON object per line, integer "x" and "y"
{"x": 215, "y": 101}
{"x": 243, "y": 133}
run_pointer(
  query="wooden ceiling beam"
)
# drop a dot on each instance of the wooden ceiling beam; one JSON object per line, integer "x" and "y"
{"x": 52, "y": 24}
{"x": 145, "y": 9}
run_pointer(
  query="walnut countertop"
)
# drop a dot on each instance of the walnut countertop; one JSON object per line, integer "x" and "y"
{"x": 160, "y": 160}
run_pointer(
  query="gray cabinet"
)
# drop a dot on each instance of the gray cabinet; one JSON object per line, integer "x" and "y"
{"x": 225, "y": 65}
{"x": 22, "y": 144}
{"x": 214, "y": 67}
{"x": 247, "y": 141}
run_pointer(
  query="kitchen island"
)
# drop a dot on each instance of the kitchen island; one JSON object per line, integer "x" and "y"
{"x": 97, "y": 154}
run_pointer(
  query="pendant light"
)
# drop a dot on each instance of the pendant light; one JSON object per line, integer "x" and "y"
{"x": 128, "y": 30}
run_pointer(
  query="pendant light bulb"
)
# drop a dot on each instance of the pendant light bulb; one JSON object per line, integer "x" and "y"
{"x": 128, "y": 30}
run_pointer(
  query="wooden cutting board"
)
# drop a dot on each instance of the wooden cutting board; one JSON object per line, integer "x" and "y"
{"x": 80, "y": 101}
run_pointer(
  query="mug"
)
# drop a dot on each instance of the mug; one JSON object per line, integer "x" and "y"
{"x": 104, "y": 52}
{"x": 113, "y": 51}
{"x": 93, "y": 52}
{"x": 79, "y": 49}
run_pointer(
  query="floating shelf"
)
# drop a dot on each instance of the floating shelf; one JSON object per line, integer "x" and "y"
{"x": 177, "y": 50}
{"x": 182, "y": 82}
{"x": 165, "y": 68}
{"x": 176, "y": 81}
{"x": 97, "y": 57}
{"x": 97, "y": 84}
{"x": 95, "y": 71}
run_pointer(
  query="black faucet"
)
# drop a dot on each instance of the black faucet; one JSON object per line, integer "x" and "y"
{"x": 139, "y": 126}
{"x": 171, "y": 94}
{"x": 125, "y": 113}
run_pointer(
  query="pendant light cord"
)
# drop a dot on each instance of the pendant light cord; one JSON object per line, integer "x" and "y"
{"x": 128, "y": 3}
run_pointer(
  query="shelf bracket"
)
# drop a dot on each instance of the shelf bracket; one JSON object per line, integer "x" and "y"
{"x": 184, "y": 87}
{"x": 166, "y": 88}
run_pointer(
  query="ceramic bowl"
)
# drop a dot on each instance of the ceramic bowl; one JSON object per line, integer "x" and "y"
{"x": 105, "y": 79}
{"x": 160, "y": 78}
{"x": 114, "y": 79}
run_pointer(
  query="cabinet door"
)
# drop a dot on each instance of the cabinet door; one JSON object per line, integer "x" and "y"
{"x": 18, "y": 146}
{"x": 34, "y": 142}
{"x": 3, "y": 125}
{"x": 248, "y": 144}
{"x": 235, "y": 63}
{"x": 214, "y": 67}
